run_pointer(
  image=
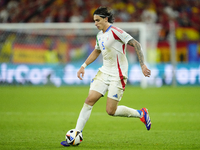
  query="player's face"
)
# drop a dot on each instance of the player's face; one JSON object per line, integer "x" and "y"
{"x": 100, "y": 23}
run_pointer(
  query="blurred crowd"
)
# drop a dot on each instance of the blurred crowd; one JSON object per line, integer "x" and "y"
{"x": 185, "y": 13}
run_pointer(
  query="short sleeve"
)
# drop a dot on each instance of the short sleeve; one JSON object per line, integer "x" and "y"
{"x": 121, "y": 34}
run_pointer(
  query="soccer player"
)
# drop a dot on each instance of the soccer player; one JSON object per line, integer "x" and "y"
{"x": 111, "y": 41}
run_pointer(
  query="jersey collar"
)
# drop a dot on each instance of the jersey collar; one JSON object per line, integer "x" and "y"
{"x": 108, "y": 28}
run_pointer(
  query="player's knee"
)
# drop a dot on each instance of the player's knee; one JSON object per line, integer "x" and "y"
{"x": 92, "y": 98}
{"x": 89, "y": 101}
{"x": 110, "y": 112}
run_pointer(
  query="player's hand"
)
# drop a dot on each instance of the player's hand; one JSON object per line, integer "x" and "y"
{"x": 146, "y": 71}
{"x": 80, "y": 73}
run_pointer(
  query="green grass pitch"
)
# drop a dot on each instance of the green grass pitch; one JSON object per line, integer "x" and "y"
{"x": 37, "y": 118}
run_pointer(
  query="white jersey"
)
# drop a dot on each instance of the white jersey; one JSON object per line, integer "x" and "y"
{"x": 113, "y": 45}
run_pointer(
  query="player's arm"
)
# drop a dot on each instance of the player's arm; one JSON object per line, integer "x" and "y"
{"x": 140, "y": 55}
{"x": 92, "y": 57}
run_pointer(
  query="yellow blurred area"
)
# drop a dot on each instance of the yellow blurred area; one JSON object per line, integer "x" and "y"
{"x": 28, "y": 56}
{"x": 187, "y": 34}
{"x": 130, "y": 8}
{"x": 6, "y": 50}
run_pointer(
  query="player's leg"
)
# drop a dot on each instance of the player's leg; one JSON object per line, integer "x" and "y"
{"x": 111, "y": 106}
{"x": 93, "y": 96}
{"x": 97, "y": 89}
{"x": 86, "y": 110}
{"x": 115, "y": 94}
{"x": 113, "y": 109}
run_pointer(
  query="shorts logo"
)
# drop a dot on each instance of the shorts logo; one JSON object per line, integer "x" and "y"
{"x": 92, "y": 80}
{"x": 116, "y": 96}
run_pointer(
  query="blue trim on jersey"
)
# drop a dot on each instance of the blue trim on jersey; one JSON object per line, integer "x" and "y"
{"x": 109, "y": 28}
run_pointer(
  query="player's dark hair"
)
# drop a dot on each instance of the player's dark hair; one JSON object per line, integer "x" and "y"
{"x": 104, "y": 12}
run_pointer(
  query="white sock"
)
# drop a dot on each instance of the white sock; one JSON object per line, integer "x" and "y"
{"x": 124, "y": 111}
{"x": 83, "y": 116}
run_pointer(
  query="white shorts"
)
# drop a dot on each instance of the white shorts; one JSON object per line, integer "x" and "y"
{"x": 104, "y": 82}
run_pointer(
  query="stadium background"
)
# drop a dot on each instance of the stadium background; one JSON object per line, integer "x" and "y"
{"x": 38, "y": 117}
{"x": 26, "y": 59}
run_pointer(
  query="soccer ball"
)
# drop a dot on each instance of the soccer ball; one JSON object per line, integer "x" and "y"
{"x": 74, "y": 137}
